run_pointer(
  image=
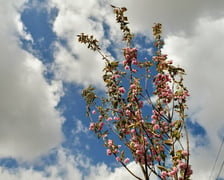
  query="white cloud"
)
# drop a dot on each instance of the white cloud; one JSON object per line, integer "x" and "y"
{"x": 68, "y": 167}
{"x": 76, "y": 63}
{"x": 29, "y": 123}
{"x": 175, "y": 15}
{"x": 102, "y": 171}
{"x": 65, "y": 168}
{"x": 85, "y": 69}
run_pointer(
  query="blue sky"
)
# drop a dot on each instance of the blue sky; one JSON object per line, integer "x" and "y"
{"x": 43, "y": 128}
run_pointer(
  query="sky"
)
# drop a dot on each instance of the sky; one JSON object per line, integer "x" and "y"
{"x": 43, "y": 128}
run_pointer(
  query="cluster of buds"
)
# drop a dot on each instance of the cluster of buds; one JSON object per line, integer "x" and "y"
{"x": 130, "y": 55}
{"x": 163, "y": 89}
{"x": 157, "y": 30}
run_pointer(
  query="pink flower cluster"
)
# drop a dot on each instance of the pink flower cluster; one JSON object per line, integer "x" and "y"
{"x": 183, "y": 95}
{"x": 183, "y": 166}
{"x": 111, "y": 147}
{"x": 159, "y": 58}
{"x": 121, "y": 90}
{"x": 174, "y": 171}
{"x": 162, "y": 87}
{"x": 130, "y": 55}
{"x": 156, "y": 121}
{"x": 91, "y": 126}
{"x": 125, "y": 161}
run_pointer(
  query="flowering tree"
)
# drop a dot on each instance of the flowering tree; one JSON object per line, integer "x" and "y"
{"x": 144, "y": 107}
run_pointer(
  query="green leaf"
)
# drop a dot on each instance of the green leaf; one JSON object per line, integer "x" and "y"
{"x": 114, "y": 64}
{"x": 162, "y": 168}
{"x": 168, "y": 142}
{"x": 163, "y": 156}
{"x": 178, "y": 124}
{"x": 115, "y": 104}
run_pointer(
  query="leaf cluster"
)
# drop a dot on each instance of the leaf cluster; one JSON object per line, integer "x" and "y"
{"x": 89, "y": 40}
{"x": 123, "y": 21}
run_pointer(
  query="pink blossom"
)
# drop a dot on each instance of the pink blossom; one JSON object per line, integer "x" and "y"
{"x": 104, "y": 136}
{"x": 185, "y": 153}
{"x": 118, "y": 76}
{"x": 182, "y": 165}
{"x": 125, "y": 62}
{"x": 134, "y": 49}
{"x": 164, "y": 174}
{"x": 134, "y": 61}
{"x": 189, "y": 171}
{"x": 110, "y": 142}
{"x": 175, "y": 169}
{"x": 133, "y": 131}
{"x": 118, "y": 159}
{"x": 156, "y": 126}
{"x": 153, "y": 121}
{"x": 91, "y": 126}
{"x": 126, "y": 160}
{"x": 172, "y": 173}
{"x": 133, "y": 86}
{"x": 141, "y": 104}
{"x": 128, "y": 112}
{"x": 126, "y": 67}
{"x": 139, "y": 152}
{"x": 170, "y": 62}
{"x": 109, "y": 119}
{"x": 137, "y": 146}
{"x": 121, "y": 89}
{"x": 127, "y": 57}
{"x": 94, "y": 112}
{"x": 109, "y": 152}
{"x": 116, "y": 118}
{"x": 158, "y": 158}
{"x": 154, "y": 117}
{"x": 134, "y": 70}
{"x": 101, "y": 126}
{"x": 164, "y": 123}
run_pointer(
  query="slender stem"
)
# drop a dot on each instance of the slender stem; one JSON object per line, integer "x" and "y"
{"x": 150, "y": 102}
{"x": 145, "y": 154}
{"x": 129, "y": 170}
{"x": 188, "y": 148}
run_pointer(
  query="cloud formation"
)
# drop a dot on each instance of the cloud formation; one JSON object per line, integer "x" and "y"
{"x": 175, "y": 15}
{"x": 73, "y": 61}
{"x": 29, "y": 123}
{"x": 68, "y": 167}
